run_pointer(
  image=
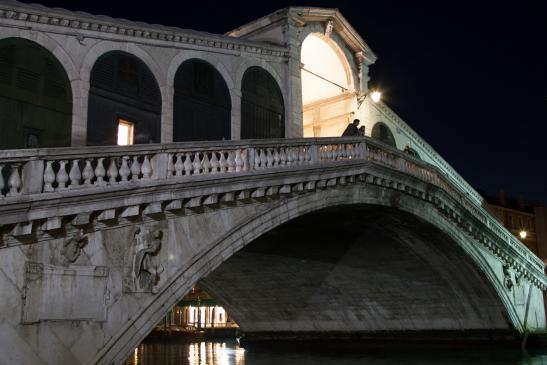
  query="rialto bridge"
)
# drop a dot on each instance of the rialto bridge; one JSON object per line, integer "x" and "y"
{"x": 244, "y": 189}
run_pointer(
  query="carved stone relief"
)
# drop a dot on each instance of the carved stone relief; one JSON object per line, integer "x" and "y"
{"x": 72, "y": 248}
{"x": 329, "y": 27}
{"x": 507, "y": 278}
{"x": 142, "y": 264}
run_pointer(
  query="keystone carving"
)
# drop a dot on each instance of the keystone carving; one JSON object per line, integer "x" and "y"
{"x": 329, "y": 27}
{"x": 72, "y": 248}
{"x": 143, "y": 269}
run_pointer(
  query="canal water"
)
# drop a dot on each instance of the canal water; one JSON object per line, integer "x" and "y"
{"x": 229, "y": 353}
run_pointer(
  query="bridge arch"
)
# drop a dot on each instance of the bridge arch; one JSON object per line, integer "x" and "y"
{"x": 250, "y": 227}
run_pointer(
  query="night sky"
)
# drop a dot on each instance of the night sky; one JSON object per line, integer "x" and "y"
{"x": 469, "y": 77}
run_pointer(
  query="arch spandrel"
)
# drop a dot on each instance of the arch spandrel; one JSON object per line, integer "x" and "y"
{"x": 194, "y": 259}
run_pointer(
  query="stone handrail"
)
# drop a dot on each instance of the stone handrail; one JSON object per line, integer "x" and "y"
{"x": 58, "y": 169}
{"x": 33, "y": 172}
{"x": 391, "y": 157}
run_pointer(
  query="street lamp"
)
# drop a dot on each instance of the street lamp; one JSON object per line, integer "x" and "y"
{"x": 375, "y": 95}
{"x": 523, "y": 234}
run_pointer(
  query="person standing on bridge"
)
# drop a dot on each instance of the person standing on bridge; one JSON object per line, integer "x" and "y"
{"x": 352, "y": 129}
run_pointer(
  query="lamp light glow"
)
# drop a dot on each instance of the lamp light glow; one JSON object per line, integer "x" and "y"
{"x": 376, "y": 96}
{"x": 523, "y": 234}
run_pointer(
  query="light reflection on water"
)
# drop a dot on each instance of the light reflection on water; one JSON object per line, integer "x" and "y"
{"x": 229, "y": 353}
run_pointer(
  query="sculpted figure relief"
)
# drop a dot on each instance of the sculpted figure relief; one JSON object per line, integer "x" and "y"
{"x": 145, "y": 268}
{"x": 72, "y": 248}
{"x": 507, "y": 279}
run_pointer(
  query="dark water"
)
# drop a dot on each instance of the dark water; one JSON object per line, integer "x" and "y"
{"x": 229, "y": 353}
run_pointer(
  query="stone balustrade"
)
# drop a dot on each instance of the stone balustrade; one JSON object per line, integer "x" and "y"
{"x": 30, "y": 174}
{"x": 50, "y": 170}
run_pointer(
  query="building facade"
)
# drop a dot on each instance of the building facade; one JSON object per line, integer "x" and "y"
{"x": 196, "y": 312}
{"x": 526, "y": 221}
{"x": 74, "y": 79}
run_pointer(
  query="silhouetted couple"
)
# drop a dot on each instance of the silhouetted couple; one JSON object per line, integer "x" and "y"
{"x": 353, "y": 129}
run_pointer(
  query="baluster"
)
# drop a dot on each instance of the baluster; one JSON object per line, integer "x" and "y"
{"x": 135, "y": 169}
{"x": 124, "y": 169}
{"x": 14, "y": 181}
{"x": 62, "y": 176}
{"x": 49, "y": 177}
{"x": 330, "y": 152}
{"x": 263, "y": 158}
{"x": 214, "y": 163}
{"x": 282, "y": 156}
{"x": 112, "y": 171}
{"x": 301, "y": 156}
{"x": 74, "y": 174}
{"x": 276, "y": 157}
{"x": 146, "y": 168}
{"x": 344, "y": 153}
{"x": 336, "y": 152}
{"x": 206, "y": 163}
{"x": 197, "y": 164}
{"x": 289, "y": 156}
{"x": 269, "y": 158}
{"x": 223, "y": 163}
{"x": 87, "y": 174}
{"x": 231, "y": 161}
{"x": 245, "y": 160}
{"x": 238, "y": 161}
{"x": 170, "y": 165}
{"x": 179, "y": 166}
{"x": 308, "y": 155}
{"x": 100, "y": 172}
{"x": 187, "y": 164}
{"x": 257, "y": 159}
{"x": 1, "y": 180}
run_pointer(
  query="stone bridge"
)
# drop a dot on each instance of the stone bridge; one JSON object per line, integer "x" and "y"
{"x": 98, "y": 243}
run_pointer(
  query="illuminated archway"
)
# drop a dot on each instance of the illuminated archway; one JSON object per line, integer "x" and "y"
{"x": 328, "y": 95}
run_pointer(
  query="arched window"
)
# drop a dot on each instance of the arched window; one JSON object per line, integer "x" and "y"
{"x": 262, "y": 108}
{"x": 124, "y": 102}
{"x": 381, "y": 132}
{"x": 35, "y": 97}
{"x": 202, "y": 103}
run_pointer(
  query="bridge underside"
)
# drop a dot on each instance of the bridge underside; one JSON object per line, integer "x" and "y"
{"x": 381, "y": 273}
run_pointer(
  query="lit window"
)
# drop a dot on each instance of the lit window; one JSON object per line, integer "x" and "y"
{"x": 125, "y": 132}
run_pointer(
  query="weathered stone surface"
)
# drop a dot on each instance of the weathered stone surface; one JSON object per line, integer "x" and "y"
{"x": 69, "y": 293}
{"x": 378, "y": 270}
